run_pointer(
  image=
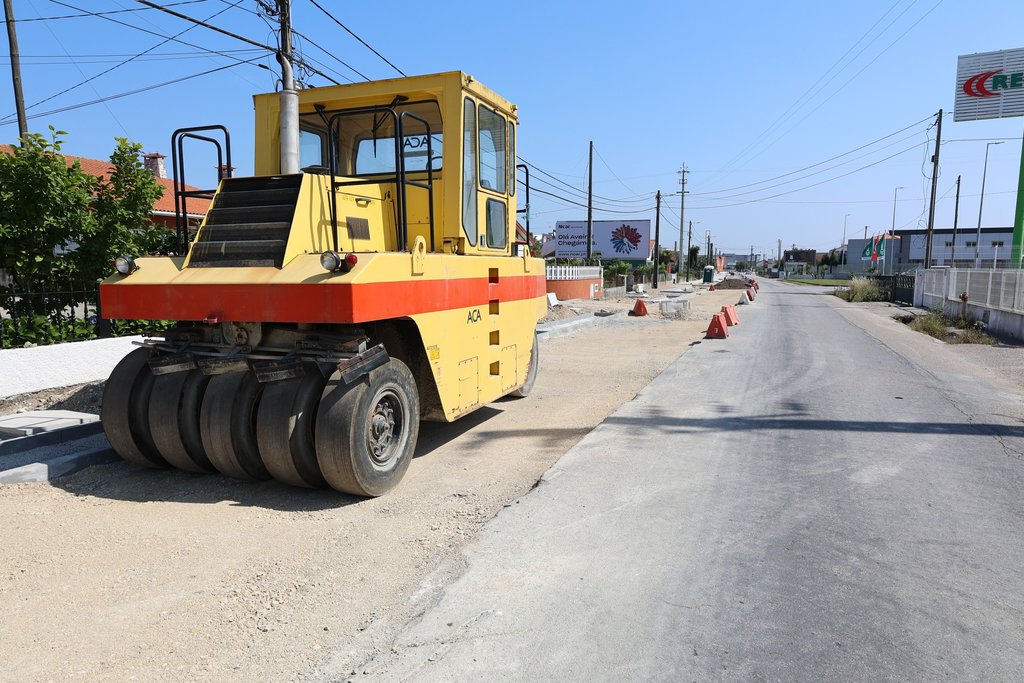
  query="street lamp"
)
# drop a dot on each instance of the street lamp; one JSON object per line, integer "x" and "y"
{"x": 981, "y": 205}
{"x": 893, "y": 232}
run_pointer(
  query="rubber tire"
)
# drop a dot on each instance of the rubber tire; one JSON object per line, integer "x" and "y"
{"x": 125, "y": 410}
{"x": 174, "y": 413}
{"x": 285, "y": 426}
{"x": 342, "y": 430}
{"x": 531, "y": 372}
{"x": 227, "y": 421}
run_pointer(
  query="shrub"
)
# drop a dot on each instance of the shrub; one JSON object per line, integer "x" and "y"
{"x": 952, "y": 331}
{"x": 861, "y": 289}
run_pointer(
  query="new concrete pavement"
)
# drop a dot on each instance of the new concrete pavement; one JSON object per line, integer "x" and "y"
{"x": 822, "y": 496}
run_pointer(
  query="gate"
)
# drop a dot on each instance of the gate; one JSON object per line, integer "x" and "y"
{"x": 903, "y": 290}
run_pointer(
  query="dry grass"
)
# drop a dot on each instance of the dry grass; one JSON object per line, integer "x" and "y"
{"x": 860, "y": 289}
{"x": 951, "y": 330}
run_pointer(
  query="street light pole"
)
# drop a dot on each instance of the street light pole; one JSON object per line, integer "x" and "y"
{"x": 893, "y": 231}
{"x": 981, "y": 205}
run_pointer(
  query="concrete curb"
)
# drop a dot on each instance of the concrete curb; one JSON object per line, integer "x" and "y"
{"x": 561, "y": 328}
{"x": 48, "y": 470}
{"x": 25, "y": 443}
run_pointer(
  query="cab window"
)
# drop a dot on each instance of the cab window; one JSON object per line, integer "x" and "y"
{"x": 492, "y": 150}
{"x": 469, "y": 168}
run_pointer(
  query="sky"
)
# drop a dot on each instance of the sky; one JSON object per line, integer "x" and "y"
{"x": 751, "y": 96}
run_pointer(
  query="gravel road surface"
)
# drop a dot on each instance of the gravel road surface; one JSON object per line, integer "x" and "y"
{"x": 120, "y": 573}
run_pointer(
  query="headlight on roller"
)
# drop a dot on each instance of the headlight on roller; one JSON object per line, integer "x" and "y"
{"x": 125, "y": 265}
{"x": 334, "y": 262}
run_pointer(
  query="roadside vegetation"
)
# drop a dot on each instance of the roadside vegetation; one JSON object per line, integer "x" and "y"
{"x": 60, "y": 228}
{"x": 949, "y": 330}
{"x": 820, "y": 282}
{"x": 860, "y": 289}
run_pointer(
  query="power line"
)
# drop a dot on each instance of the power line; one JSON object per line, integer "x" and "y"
{"x": 48, "y": 60}
{"x": 806, "y": 187}
{"x": 161, "y": 35}
{"x": 92, "y": 14}
{"x": 367, "y": 45}
{"x": 147, "y": 3}
{"x": 639, "y": 198}
{"x": 574, "y": 203}
{"x": 122, "y": 63}
{"x": 815, "y": 173}
{"x": 815, "y": 165}
{"x": 230, "y": 34}
{"x": 331, "y": 55}
{"x": 136, "y": 91}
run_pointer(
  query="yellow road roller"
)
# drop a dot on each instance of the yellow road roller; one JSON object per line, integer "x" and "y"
{"x": 320, "y": 315}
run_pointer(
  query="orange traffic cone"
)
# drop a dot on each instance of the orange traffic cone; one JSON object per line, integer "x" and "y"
{"x": 711, "y": 288}
{"x": 718, "y": 329}
{"x": 640, "y": 308}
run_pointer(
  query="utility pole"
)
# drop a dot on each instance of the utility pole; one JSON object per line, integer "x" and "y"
{"x": 657, "y": 238}
{"x": 956, "y": 218}
{"x": 289, "y": 95}
{"x": 19, "y": 98}
{"x": 689, "y": 239}
{"x": 590, "y": 203}
{"x": 779, "y": 267}
{"x": 682, "y": 214}
{"x": 935, "y": 183}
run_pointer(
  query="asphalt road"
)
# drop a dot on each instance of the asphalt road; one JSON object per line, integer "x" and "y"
{"x": 825, "y": 495}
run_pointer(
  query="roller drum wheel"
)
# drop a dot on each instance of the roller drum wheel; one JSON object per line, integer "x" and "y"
{"x": 284, "y": 429}
{"x": 174, "y": 420}
{"x": 227, "y": 422}
{"x": 125, "y": 410}
{"x": 366, "y": 431}
{"x": 531, "y": 373}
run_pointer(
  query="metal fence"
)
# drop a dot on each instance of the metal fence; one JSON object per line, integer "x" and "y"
{"x": 48, "y": 316}
{"x": 998, "y": 289}
{"x": 574, "y": 272}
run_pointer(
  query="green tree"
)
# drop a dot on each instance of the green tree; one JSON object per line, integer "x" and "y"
{"x": 122, "y": 225}
{"x": 44, "y": 211}
{"x": 694, "y": 251}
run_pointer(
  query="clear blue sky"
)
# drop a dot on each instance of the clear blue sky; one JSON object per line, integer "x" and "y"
{"x": 741, "y": 92}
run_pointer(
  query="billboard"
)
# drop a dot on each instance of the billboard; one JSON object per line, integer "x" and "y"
{"x": 989, "y": 85}
{"x": 629, "y": 239}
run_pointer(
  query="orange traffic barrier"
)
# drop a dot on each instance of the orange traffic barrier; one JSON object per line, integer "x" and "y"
{"x": 750, "y": 293}
{"x": 711, "y": 287}
{"x": 640, "y": 308}
{"x": 757, "y": 287}
{"x": 718, "y": 329}
{"x": 731, "y": 316}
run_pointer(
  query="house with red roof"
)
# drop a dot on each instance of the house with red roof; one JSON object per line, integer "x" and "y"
{"x": 162, "y": 212}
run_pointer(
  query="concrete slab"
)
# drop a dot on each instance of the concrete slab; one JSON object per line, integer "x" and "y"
{"x": 62, "y": 466}
{"x": 34, "y": 422}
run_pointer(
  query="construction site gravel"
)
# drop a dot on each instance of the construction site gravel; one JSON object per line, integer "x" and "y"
{"x": 131, "y": 574}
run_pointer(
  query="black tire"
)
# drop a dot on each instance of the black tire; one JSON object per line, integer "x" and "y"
{"x": 173, "y": 413}
{"x": 531, "y": 372}
{"x": 284, "y": 429}
{"x": 366, "y": 432}
{"x": 227, "y": 421}
{"x": 125, "y": 410}
{"x": 191, "y": 405}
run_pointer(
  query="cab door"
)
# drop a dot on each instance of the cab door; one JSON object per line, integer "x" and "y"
{"x": 495, "y": 181}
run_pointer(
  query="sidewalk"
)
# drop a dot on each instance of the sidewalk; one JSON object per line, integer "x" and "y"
{"x": 60, "y": 365}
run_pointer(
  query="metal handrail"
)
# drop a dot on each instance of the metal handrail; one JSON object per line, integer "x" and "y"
{"x": 178, "y": 138}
